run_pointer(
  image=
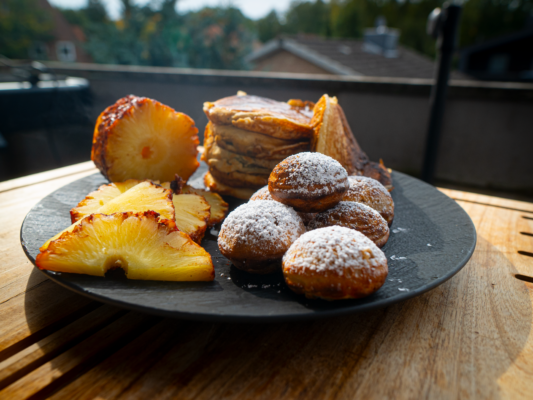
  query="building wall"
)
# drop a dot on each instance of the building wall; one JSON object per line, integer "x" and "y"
{"x": 283, "y": 61}
{"x": 486, "y": 137}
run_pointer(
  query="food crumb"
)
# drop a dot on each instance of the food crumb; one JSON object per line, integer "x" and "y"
{"x": 397, "y": 230}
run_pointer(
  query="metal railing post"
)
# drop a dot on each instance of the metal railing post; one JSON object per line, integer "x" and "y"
{"x": 443, "y": 25}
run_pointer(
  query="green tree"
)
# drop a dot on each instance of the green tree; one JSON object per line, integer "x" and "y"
{"x": 219, "y": 38}
{"x": 269, "y": 27}
{"x": 347, "y": 18}
{"x": 308, "y": 17}
{"x": 22, "y": 24}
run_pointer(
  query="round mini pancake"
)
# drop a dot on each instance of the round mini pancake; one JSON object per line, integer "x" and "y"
{"x": 354, "y": 216}
{"x": 308, "y": 182}
{"x": 256, "y": 235}
{"x": 334, "y": 263}
{"x": 372, "y": 193}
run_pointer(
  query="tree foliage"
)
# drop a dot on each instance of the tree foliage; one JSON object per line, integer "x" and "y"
{"x": 481, "y": 19}
{"x": 155, "y": 34}
{"x": 22, "y": 24}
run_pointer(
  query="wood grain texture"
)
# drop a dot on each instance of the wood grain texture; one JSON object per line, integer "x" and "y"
{"x": 470, "y": 338}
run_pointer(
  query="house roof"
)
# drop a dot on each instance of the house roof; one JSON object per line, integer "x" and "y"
{"x": 347, "y": 57}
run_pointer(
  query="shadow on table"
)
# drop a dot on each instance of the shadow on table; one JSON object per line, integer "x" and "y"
{"x": 459, "y": 338}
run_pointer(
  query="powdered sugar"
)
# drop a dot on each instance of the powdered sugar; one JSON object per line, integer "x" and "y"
{"x": 371, "y": 183}
{"x": 347, "y": 210}
{"x": 334, "y": 249}
{"x": 261, "y": 224}
{"x": 262, "y": 194}
{"x": 304, "y": 170}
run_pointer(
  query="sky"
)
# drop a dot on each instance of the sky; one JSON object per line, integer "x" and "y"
{"x": 253, "y": 9}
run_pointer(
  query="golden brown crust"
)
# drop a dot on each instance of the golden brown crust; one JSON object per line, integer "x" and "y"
{"x": 239, "y": 180}
{"x": 219, "y": 207}
{"x": 264, "y": 194}
{"x": 126, "y": 147}
{"x": 54, "y": 245}
{"x": 332, "y": 136}
{"x": 226, "y": 161}
{"x": 256, "y": 145}
{"x": 331, "y": 287}
{"x": 231, "y": 169}
{"x": 218, "y": 187}
{"x": 242, "y": 237}
{"x": 258, "y": 114}
{"x": 356, "y": 216}
{"x": 334, "y": 263}
{"x": 105, "y": 123}
{"x": 371, "y": 193}
{"x": 309, "y": 204}
{"x": 291, "y": 183}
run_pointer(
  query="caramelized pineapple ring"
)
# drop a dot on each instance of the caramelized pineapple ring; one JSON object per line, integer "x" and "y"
{"x": 140, "y": 138}
{"x": 140, "y": 244}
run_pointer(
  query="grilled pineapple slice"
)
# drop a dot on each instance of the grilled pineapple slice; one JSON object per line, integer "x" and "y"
{"x": 146, "y": 196}
{"x": 94, "y": 200}
{"x": 192, "y": 215}
{"x": 140, "y": 138}
{"x": 144, "y": 246}
{"x": 192, "y": 211}
{"x": 219, "y": 207}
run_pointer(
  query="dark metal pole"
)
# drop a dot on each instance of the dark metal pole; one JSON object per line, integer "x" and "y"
{"x": 447, "y": 37}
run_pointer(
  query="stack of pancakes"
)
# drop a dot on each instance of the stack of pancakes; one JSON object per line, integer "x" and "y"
{"x": 247, "y": 136}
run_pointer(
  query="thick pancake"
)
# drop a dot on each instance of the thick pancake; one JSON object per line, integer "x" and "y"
{"x": 239, "y": 179}
{"x": 218, "y": 187}
{"x": 227, "y": 161}
{"x": 254, "y": 144}
{"x": 333, "y": 137}
{"x": 257, "y": 114}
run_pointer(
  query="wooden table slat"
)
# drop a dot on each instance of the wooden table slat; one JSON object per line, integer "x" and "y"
{"x": 52, "y": 345}
{"x": 27, "y": 318}
{"x": 66, "y": 367}
{"x": 47, "y": 176}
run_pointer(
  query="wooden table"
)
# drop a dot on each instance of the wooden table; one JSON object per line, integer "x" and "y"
{"x": 469, "y": 338}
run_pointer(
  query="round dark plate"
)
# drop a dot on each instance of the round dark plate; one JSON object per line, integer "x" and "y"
{"x": 431, "y": 239}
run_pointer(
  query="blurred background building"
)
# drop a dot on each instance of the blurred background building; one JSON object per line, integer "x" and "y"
{"x": 374, "y": 55}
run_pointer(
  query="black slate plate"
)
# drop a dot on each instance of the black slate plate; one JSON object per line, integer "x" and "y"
{"x": 431, "y": 239}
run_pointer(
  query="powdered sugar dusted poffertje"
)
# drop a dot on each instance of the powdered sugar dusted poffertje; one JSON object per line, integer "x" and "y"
{"x": 334, "y": 263}
{"x": 360, "y": 217}
{"x": 308, "y": 182}
{"x": 264, "y": 194}
{"x": 371, "y": 192}
{"x": 257, "y": 234}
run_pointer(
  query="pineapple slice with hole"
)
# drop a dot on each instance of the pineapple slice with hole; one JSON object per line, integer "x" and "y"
{"x": 144, "y": 246}
{"x": 140, "y": 138}
{"x": 94, "y": 200}
{"x": 146, "y": 196}
{"x": 219, "y": 207}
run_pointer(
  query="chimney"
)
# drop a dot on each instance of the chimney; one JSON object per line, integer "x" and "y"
{"x": 381, "y": 40}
